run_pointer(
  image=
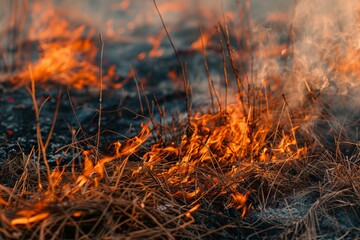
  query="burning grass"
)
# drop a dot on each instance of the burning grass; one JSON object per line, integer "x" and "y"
{"x": 254, "y": 166}
{"x": 185, "y": 190}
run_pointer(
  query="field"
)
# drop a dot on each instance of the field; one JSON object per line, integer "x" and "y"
{"x": 179, "y": 120}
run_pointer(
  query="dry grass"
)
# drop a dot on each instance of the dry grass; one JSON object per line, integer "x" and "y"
{"x": 312, "y": 196}
{"x": 269, "y": 176}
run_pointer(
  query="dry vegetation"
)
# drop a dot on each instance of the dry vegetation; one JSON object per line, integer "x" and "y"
{"x": 253, "y": 168}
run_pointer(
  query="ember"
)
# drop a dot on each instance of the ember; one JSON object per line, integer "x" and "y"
{"x": 184, "y": 119}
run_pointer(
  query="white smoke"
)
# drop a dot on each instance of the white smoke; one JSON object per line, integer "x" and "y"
{"x": 326, "y": 35}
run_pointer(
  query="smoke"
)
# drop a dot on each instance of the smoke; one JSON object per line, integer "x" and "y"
{"x": 130, "y": 17}
{"x": 326, "y": 33}
{"x": 326, "y": 42}
{"x": 326, "y": 63}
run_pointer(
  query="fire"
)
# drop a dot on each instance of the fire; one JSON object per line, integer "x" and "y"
{"x": 212, "y": 155}
{"x": 97, "y": 172}
{"x": 201, "y": 42}
{"x": 193, "y": 209}
{"x": 65, "y": 62}
{"x": 239, "y": 200}
{"x": 66, "y": 54}
{"x": 29, "y": 217}
{"x": 155, "y": 41}
{"x": 217, "y": 141}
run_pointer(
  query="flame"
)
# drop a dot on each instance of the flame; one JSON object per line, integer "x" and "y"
{"x": 239, "y": 201}
{"x": 66, "y": 52}
{"x": 55, "y": 177}
{"x": 29, "y": 217}
{"x": 218, "y": 141}
{"x": 97, "y": 172}
{"x": 65, "y": 62}
{"x": 91, "y": 174}
{"x": 193, "y": 209}
{"x": 227, "y": 142}
{"x": 77, "y": 214}
{"x": 201, "y": 42}
{"x": 155, "y": 41}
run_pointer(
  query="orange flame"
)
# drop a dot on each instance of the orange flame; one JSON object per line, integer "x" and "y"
{"x": 193, "y": 209}
{"x": 97, "y": 172}
{"x": 218, "y": 140}
{"x": 29, "y": 216}
{"x": 66, "y": 63}
{"x": 239, "y": 202}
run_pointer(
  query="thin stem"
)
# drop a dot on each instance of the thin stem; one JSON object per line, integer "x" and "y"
{"x": 224, "y": 67}
{"x": 41, "y": 145}
{"x": 58, "y": 100}
{"x": 183, "y": 75}
{"x": 101, "y": 94}
{"x": 210, "y": 80}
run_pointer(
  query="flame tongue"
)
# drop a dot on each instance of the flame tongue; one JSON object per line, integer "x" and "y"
{"x": 220, "y": 147}
{"x": 97, "y": 172}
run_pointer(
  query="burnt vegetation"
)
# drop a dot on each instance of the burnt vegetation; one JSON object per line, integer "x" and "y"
{"x": 95, "y": 150}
